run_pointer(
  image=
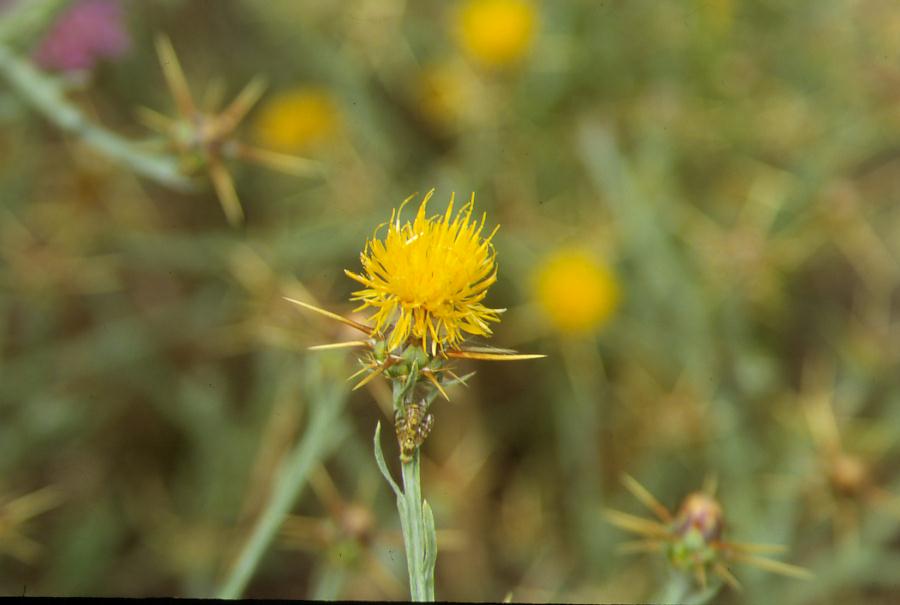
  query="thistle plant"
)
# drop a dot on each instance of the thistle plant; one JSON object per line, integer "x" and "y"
{"x": 693, "y": 541}
{"x": 206, "y": 139}
{"x": 849, "y": 482}
{"x": 425, "y": 282}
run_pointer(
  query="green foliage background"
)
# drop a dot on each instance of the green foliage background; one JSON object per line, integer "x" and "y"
{"x": 739, "y": 173}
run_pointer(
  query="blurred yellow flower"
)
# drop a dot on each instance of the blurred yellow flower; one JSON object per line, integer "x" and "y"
{"x": 575, "y": 291}
{"x": 427, "y": 278}
{"x": 298, "y": 119}
{"x": 496, "y": 33}
{"x": 441, "y": 93}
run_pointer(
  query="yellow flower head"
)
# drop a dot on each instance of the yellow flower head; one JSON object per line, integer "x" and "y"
{"x": 441, "y": 93}
{"x": 298, "y": 119}
{"x": 426, "y": 278}
{"x": 496, "y": 33}
{"x": 575, "y": 291}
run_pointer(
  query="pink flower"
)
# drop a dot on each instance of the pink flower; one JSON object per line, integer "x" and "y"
{"x": 88, "y": 31}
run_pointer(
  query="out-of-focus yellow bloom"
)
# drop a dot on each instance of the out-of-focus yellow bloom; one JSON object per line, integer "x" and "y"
{"x": 426, "y": 279}
{"x": 496, "y": 33}
{"x": 575, "y": 291}
{"x": 441, "y": 93}
{"x": 298, "y": 119}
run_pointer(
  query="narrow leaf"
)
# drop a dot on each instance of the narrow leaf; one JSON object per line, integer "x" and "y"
{"x": 382, "y": 466}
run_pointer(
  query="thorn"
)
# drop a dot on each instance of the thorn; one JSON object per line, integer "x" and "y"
{"x": 430, "y": 376}
{"x": 785, "y": 569}
{"x": 646, "y": 498}
{"x": 156, "y": 121}
{"x": 339, "y": 345}
{"x": 228, "y": 197}
{"x": 727, "y": 576}
{"x": 376, "y": 372}
{"x": 361, "y": 371}
{"x": 174, "y": 75}
{"x": 364, "y": 329}
{"x": 463, "y": 354}
{"x": 638, "y": 525}
{"x": 232, "y": 115}
{"x": 281, "y": 162}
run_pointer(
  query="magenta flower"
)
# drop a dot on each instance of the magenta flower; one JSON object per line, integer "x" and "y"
{"x": 88, "y": 31}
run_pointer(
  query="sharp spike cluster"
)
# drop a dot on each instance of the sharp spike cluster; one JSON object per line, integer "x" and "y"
{"x": 210, "y": 136}
{"x": 690, "y": 538}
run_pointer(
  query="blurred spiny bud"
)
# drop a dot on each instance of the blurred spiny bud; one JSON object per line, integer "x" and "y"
{"x": 700, "y": 513}
{"x": 206, "y": 139}
{"x": 697, "y": 529}
{"x": 693, "y": 539}
{"x": 848, "y": 474}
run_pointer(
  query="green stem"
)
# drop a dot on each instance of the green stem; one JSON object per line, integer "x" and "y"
{"x": 322, "y": 436}
{"x": 25, "y": 19}
{"x": 328, "y": 583}
{"x": 44, "y": 94}
{"x": 680, "y": 588}
{"x": 416, "y": 517}
{"x": 412, "y": 520}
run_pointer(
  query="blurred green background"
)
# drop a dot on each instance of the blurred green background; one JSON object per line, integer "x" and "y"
{"x": 698, "y": 203}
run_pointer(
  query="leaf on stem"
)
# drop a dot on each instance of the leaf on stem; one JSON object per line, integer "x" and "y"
{"x": 382, "y": 466}
{"x": 430, "y": 545}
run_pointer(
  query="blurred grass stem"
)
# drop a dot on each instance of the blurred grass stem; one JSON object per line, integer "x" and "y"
{"x": 45, "y": 94}
{"x": 580, "y": 425}
{"x": 680, "y": 588}
{"x": 323, "y": 434}
{"x": 24, "y": 20}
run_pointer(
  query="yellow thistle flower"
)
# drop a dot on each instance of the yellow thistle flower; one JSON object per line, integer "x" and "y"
{"x": 575, "y": 291}
{"x": 496, "y": 33}
{"x": 426, "y": 279}
{"x": 298, "y": 119}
